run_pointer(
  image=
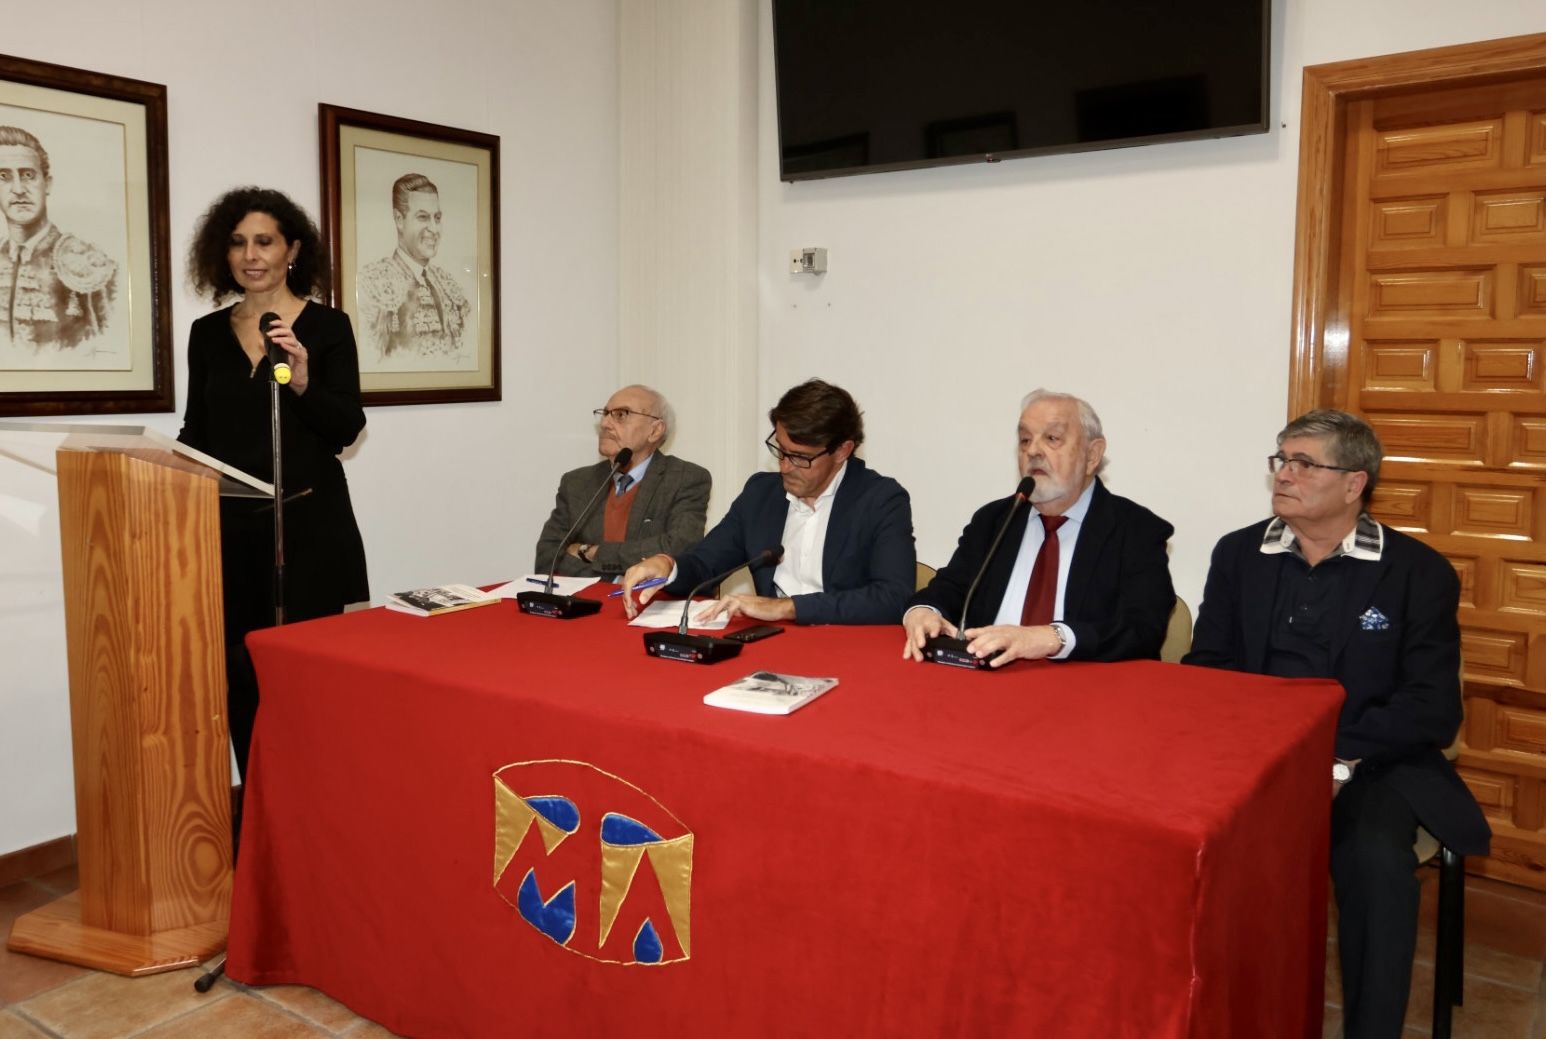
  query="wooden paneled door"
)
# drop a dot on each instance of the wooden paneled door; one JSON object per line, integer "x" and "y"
{"x": 1423, "y": 308}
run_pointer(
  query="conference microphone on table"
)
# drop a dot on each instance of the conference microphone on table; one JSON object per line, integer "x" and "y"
{"x": 704, "y": 649}
{"x": 951, "y": 649}
{"x": 565, "y": 607}
{"x": 278, "y": 360}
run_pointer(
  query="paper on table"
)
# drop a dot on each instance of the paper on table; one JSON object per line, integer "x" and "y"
{"x": 534, "y": 583}
{"x": 668, "y": 614}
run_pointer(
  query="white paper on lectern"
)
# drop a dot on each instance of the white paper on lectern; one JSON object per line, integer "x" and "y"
{"x": 535, "y": 582}
{"x": 135, "y": 441}
{"x": 668, "y": 614}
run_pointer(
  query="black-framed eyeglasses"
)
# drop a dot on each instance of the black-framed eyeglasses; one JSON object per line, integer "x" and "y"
{"x": 1298, "y": 466}
{"x": 622, "y": 414}
{"x": 795, "y": 459}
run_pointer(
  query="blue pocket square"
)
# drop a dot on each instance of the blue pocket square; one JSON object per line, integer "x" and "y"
{"x": 1373, "y": 620}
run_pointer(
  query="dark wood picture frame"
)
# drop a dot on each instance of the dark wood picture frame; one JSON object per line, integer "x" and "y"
{"x": 51, "y": 97}
{"x": 363, "y": 156}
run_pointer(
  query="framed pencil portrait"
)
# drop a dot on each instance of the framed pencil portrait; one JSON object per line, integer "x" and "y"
{"x": 410, "y": 211}
{"x": 85, "y": 307}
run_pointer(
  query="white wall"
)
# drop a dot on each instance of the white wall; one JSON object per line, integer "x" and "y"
{"x": 687, "y": 224}
{"x": 242, "y": 100}
{"x": 1153, "y": 281}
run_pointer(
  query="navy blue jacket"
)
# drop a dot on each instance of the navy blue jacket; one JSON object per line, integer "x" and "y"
{"x": 868, "y": 565}
{"x": 1402, "y": 679}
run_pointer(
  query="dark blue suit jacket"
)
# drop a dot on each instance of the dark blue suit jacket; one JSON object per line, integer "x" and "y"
{"x": 1402, "y": 681}
{"x": 1118, "y": 597}
{"x": 868, "y": 565}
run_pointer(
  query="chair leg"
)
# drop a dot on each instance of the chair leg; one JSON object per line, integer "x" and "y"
{"x": 1449, "y": 944}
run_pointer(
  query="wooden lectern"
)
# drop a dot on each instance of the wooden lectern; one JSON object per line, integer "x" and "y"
{"x": 139, "y": 522}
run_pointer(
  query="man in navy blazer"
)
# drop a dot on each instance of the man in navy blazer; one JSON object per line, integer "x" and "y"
{"x": 1097, "y": 588}
{"x": 1322, "y": 590}
{"x": 846, "y": 531}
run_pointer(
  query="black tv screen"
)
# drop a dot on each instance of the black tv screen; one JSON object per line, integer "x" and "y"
{"x": 872, "y": 85}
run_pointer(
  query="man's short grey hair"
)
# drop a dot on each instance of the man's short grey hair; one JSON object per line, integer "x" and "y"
{"x": 16, "y": 137}
{"x": 661, "y": 409}
{"x": 1087, "y": 417}
{"x": 1350, "y": 441}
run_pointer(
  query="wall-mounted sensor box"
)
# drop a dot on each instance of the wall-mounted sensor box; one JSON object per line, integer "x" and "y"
{"x": 807, "y": 261}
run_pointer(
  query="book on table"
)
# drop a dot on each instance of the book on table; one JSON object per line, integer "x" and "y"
{"x": 766, "y": 692}
{"x": 432, "y": 602}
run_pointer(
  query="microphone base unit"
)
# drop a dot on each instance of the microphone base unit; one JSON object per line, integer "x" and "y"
{"x": 690, "y": 649}
{"x": 559, "y": 607}
{"x": 942, "y": 649}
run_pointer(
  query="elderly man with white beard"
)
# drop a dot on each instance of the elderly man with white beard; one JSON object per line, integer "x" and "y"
{"x": 1081, "y": 575}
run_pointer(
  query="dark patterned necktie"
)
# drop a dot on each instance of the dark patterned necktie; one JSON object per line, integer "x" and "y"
{"x": 440, "y": 312}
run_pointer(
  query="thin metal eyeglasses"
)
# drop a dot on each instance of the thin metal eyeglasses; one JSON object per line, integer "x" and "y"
{"x": 799, "y": 461}
{"x": 771, "y": 683}
{"x": 1298, "y": 466}
{"x": 621, "y": 414}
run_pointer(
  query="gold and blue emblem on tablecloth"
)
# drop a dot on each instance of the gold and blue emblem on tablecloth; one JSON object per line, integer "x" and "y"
{"x": 593, "y": 862}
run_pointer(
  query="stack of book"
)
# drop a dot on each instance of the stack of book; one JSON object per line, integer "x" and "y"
{"x": 432, "y": 602}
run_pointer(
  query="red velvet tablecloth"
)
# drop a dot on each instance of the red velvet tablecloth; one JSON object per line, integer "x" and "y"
{"x": 1066, "y": 849}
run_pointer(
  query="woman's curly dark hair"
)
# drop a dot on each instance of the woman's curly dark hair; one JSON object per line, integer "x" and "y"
{"x": 209, "y": 265}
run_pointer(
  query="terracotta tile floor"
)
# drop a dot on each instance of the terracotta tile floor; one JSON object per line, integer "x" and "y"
{"x": 1505, "y": 986}
{"x": 41, "y": 999}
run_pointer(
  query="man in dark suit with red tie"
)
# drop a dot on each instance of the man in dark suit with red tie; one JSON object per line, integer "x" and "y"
{"x": 1081, "y": 575}
{"x": 1322, "y": 590}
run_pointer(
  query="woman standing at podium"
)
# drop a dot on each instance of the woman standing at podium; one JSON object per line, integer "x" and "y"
{"x": 258, "y": 246}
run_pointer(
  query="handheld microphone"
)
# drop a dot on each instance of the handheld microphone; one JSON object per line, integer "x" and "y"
{"x": 278, "y": 360}
{"x": 703, "y": 649}
{"x": 951, "y": 649}
{"x": 567, "y": 607}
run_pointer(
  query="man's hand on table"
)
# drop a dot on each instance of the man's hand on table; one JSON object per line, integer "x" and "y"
{"x": 660, "y": 566}
{"x": 921, "y": 624}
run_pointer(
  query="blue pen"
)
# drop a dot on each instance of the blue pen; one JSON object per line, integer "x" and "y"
{"x": 651, "y": 583}
{"x": 538, "y": 580}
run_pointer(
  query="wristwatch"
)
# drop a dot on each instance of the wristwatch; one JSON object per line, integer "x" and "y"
{"x": 585, "y": 552}
{"x": 1342, "y": 771}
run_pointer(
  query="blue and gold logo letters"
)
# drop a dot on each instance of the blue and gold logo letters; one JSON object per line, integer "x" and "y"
{"x": 593, "y": 862}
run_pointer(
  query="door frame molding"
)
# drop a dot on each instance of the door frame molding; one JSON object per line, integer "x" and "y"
{"x": 1317, "y": 331}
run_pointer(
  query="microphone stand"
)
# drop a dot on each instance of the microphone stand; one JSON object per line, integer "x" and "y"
{"x": 567, "y": 607}
{"x": 951, "y": 649}
{"x": 207, "y": 980}
{"x": 279, "y": 502}
{"x": 702, "y": 649}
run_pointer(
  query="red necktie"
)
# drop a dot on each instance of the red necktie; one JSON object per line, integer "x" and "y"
{"x": 1042, "y": 594}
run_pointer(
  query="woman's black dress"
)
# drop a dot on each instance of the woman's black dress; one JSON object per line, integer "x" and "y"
{"x": 228, "y": 417}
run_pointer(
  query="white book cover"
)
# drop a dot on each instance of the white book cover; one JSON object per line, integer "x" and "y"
{"x": 764, "y": 692}
{"x": 447, "y": 598}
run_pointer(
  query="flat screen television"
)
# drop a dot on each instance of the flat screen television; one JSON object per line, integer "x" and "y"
{"x": 871, "y": 85}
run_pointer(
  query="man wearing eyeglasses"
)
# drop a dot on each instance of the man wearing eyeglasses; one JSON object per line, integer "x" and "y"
{"x": 1323, "y": 590}
{"x": 847, "y": 531}
{"x": 1082, "y": 574}
{"x": 658, "y": 505}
